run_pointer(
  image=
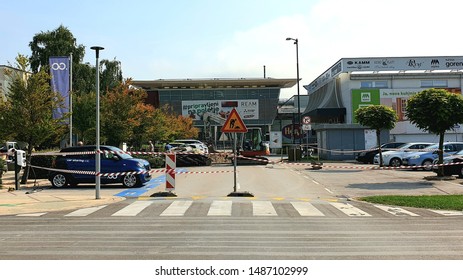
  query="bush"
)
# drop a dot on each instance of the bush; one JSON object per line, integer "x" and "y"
{"x": 155, "y": 161}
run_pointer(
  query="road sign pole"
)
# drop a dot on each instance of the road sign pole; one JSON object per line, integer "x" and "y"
{"x": 234, "y": 161}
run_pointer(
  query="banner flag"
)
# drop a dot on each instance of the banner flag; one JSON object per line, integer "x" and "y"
{"x": 59, "y": 70}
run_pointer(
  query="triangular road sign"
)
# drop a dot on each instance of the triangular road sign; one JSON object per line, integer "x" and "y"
{"x": 234, "y": 123}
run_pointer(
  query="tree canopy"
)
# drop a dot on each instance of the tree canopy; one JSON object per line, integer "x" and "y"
{"x": 436, "y": 111}
{"x": 378, "y": 117}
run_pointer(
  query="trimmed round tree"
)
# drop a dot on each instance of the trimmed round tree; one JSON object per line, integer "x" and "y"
{"x": 436, "y": 111}
{"x": 377, "y": 117}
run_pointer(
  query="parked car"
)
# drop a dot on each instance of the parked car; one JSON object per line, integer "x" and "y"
{"x": 189, "y": 155}
{"x": 367, "y": 156}
{"x": 426, "y": 158}
{"x": 196, "y": 143}
{"x": 453, "y": 165}
{"x": 113, "y": 160}
{"x": 394, "y": 158}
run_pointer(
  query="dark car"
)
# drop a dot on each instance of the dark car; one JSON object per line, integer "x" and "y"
{"x": 367, "y": 156}
{"x": 453, "y": 165}
{"x": 113, "y": 161}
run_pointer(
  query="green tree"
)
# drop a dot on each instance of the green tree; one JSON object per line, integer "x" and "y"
{"x": 84, "y": 117}
{"x": 435, "y": 111}
{"x": 111, "y": 74}
{"x": 58, "y": 42}
{"x": 29, "y": 106}
{"x": 377, "y": 117}
{"x": 122, "y": 111}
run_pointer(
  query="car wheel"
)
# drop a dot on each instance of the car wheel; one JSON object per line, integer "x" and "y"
{"x": 395, "y": 162}
{"x": 460, "y": 175}
{"x": 427, "y": 165}
{"x": 130, "y": 180}
{"x": 59, "y": 180}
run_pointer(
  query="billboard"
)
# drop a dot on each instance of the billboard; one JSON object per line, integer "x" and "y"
{"x": 248, "y": 109}
{"x": 362, "y": 98}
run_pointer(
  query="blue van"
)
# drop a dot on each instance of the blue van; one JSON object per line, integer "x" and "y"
{"x": 113, "y": 161}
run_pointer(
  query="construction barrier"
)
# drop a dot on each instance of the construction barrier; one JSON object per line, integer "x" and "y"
{"x": 170, "y": 176}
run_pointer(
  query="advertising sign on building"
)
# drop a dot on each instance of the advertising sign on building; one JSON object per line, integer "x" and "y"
{"x": 403, "y": 63}
{"x": 276, "y": 140}
{"x": 362, "y": 98}
{"x": 248, "y": 109}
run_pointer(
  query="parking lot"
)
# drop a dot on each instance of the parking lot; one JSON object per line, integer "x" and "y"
{"x": 283, "y": 180}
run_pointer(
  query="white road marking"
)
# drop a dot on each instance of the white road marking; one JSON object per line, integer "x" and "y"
{"x": 133, "y": 209}
{"x": 32, "y": 214}
{"x": 350, "y": 210}
{"x": 306, "y": 209}
{"x": 316, "y": 182}
{"x": 448, "y": 212}
{"x": 263, "y": 208}
{"x": 177, "y": 208}
{"x": 220, "y": 208}
{"x": 328, "y": 190}
{"x": 85, "y": 211}
{"x": 396, "y": 211}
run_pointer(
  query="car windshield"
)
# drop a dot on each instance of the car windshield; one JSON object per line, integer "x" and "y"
{"x": 120, "y": 153}
{"x": 460, "y": 152}
{"x": 404, "y": 146}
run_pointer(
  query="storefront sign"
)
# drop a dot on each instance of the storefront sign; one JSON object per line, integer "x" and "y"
{"x": 247, "y": 108}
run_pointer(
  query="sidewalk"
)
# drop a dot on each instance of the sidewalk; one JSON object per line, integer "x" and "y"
{"x": 30, "y": 198}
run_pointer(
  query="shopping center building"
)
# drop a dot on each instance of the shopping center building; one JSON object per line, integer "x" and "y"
{"x": 256, "y": 100}
{"x": 352, "y": 83}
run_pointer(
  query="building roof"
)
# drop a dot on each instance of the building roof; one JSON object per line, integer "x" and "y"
{"x": 214, "y": 83}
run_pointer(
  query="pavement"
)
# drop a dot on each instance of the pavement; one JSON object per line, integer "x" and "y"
{"x": 30, "y": 197}
{"x": 36, "y": 196}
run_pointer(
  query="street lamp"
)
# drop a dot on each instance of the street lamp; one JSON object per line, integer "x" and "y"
{"x": 98, "y": 154}
{"x": 296, "y": 42}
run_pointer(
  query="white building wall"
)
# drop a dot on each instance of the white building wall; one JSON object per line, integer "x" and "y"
{"x": 404, "y": 130}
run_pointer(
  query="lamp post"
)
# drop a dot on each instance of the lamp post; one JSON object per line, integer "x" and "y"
{"x": 98, "y": 154}
{"x": 296, "y": 42}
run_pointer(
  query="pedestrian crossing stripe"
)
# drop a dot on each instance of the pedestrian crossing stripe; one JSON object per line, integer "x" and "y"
{"x": 178, "y": 208}
{"x": 306, "y": 209}
{"x": 396, "y": 211}
{"x": 85, "y": 211}
{"x": 350, "y": 210}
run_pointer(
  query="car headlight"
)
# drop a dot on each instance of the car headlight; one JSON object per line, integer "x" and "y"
{"x": 139, "y": 164}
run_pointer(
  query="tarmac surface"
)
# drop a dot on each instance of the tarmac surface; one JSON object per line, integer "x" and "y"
{"x": 37, "y": 195}
{"x": 32, "y": 198}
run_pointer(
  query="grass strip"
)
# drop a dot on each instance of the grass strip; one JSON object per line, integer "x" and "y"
{"x": 440, "y": 202}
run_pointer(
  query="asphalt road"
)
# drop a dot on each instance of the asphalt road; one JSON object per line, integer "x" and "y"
{"x": 296, "y": 213}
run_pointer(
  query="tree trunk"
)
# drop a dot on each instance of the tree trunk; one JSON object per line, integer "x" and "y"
{"x": 378, "y": 141}
{"x": 28, "y": 165}
{"x": 440, "y": 170}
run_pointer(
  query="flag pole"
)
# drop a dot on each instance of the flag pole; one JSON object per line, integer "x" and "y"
{"x": 70, "y": 100}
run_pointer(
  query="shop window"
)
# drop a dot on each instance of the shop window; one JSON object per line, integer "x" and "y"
{"x": 373, "y": 84}
{"x": 434, "y": 83}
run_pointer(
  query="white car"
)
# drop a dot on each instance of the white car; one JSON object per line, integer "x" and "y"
{"x": 195, "y": 143}
{"x": 394, "y": 158}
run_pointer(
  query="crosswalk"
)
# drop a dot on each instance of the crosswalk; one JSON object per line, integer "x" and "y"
{"x": 256, "y": 208}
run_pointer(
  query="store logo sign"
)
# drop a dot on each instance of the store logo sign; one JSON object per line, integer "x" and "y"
{"x": 365, "y": 97}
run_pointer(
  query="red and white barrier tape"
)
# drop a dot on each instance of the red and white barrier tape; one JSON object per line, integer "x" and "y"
{"x": 173, "y": 171}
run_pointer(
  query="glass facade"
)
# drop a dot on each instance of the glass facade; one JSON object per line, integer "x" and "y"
{"x": 267, "y": 99}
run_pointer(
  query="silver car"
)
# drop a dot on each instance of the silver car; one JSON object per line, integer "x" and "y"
{"x": 195, "y": 143}
{"x": 394, "y": 158}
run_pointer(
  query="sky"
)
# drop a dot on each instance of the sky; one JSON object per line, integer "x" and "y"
{"x": 201, "y": 39}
